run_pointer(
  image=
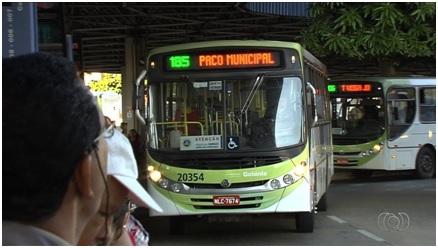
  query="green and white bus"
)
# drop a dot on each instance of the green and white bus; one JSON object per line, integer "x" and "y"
{"x": 235, "y": 129}
{"x": 384, "y": 124}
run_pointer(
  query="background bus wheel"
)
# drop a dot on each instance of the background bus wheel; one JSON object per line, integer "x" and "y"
{"x": 425, "y": 163}
{"x": 362, "y": 174}
{"x": 323, "y": 203}
{"x": 176, "y": 225}
{"x": 304, "y": 221}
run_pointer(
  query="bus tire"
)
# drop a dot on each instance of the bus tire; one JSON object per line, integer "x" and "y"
{"x": 425, "y": 163}
{"x": 304, "y": 221}
{"x": 176, "y": 225}
{"x": 323, "y": 203}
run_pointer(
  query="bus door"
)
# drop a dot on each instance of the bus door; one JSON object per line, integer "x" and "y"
{"x": 400, "y": 114}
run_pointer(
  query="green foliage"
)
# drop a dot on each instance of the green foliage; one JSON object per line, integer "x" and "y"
{"x": 380, "y": 29}
{"x": 108, "y": 82}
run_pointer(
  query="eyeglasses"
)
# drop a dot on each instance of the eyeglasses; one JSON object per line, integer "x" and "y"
{"x": 108, "y": 133}
{"x": 121, "y": 219}
{"x": 106, "y": 185}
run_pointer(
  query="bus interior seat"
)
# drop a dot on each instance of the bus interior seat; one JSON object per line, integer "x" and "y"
{"x": 192, "y": 115}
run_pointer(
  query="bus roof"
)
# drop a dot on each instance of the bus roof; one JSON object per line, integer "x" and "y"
{"x": 417, "y": 80}
{"x": 387, "y": 82}
{"x": 225, "y": 43}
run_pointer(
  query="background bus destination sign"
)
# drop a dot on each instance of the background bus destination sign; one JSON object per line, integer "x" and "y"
{"x": 350, "y": 88}
{"x": 229, "y": 60}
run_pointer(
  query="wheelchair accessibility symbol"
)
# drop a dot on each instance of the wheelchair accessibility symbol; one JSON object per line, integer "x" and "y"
{"x": 233, "y": 143}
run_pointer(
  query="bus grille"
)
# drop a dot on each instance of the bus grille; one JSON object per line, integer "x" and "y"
{"x": 347, "y": 153}
{"x": 225, "y": 163}
{"x": 344, "y": 142}
{"x": 232, "y": 186}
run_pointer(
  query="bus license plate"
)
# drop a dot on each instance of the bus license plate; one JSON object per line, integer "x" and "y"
{"x": 342, "y": 161}
{"x": 226, "y": 200}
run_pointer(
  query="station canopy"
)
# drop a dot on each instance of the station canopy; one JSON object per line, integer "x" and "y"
{"x": 99, "y": 29}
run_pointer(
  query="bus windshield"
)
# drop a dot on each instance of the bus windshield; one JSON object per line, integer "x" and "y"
{"x": 357, "y": 120}
{"x": 225, "y": 113}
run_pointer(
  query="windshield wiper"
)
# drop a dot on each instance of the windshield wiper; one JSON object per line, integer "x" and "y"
{"x": 255, "y": 87}
{"x": 190, "y": 84}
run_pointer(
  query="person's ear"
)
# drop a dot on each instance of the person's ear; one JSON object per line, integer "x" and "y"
{"x": 83, "y": 177}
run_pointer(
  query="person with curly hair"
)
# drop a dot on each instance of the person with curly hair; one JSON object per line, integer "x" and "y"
{"x": 54, "y": 152}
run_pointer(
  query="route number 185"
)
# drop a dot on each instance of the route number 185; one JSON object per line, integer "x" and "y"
{"x": 182, "y": 61}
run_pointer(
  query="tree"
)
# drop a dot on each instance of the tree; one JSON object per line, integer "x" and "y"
{"x": 385, "y": 31}
{"x": 108, "y": 82}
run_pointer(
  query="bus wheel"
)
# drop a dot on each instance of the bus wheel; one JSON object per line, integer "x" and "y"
{"x": 323, "y": 203}
{"x": 304, "y": 221}
{"x": 425, "y": 163}
{"x": 362, "y": 174}
{"x": 176, "y": 225}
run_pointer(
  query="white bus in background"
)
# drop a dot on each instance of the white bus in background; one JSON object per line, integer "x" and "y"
{"x": 384, "y": 124}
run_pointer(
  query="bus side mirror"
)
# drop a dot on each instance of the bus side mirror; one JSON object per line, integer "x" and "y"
{"x": 139, "y": 96}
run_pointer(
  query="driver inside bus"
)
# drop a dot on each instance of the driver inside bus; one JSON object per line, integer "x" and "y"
{"x": 354, "y": 115}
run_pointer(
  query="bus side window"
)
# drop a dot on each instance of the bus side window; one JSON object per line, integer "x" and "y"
{"x": 428, "y": 114}
{"x": 400, "y": 115}
{"x": 400, "y": 111}
{"x": 428, "y": 105}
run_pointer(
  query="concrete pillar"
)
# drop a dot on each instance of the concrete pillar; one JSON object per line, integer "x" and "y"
{"x": 128, "y": 80}
{"x": 130, "y": 72}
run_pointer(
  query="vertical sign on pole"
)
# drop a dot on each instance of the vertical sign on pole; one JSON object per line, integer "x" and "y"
{"x": 20, "y": 28}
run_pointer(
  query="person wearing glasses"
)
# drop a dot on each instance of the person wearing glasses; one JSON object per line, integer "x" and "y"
{"x": 54, "y": 152}
{"x": 122, "y": 185}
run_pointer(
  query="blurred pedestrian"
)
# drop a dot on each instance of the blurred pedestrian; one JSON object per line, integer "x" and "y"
{"x": 124, "y": 128}
{"x": 54, "y": 152}
{"x": 139, "y": 148}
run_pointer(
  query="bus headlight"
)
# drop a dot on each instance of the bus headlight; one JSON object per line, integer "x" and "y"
{"x": 275, "y": 184}
{"x": 170, "y": 185}
{"x": 176, "y": 187}
{"x": 288, "y": 179}
{"x": 377, "y": 148}
{"x": 164, "y": 183}
{"x": 155, "y": 175}
{"x": 300, "y": 169}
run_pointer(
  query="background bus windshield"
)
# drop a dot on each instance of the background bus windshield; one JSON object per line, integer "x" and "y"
{"x": 357, "y": 120}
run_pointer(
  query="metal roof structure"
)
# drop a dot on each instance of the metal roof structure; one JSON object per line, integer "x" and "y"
{"x": 100, "y": 29}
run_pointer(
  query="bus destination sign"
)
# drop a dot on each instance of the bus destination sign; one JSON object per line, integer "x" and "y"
{"x": 214, "y": 61}
{"x": 350, "y": 88}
